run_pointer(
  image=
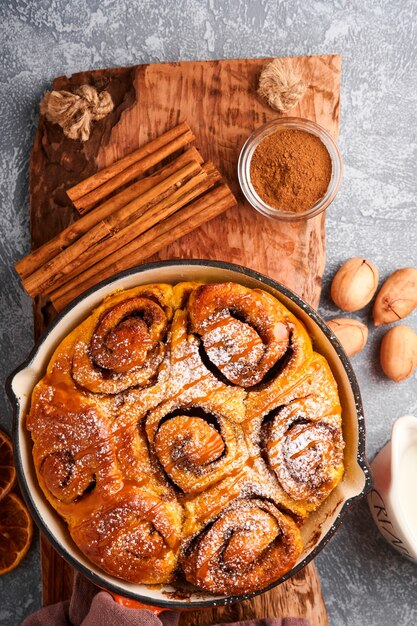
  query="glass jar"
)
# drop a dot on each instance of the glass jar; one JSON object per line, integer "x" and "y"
{"x": 253, "y": 142}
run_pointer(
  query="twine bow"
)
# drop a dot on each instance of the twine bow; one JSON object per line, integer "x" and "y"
{"x": 281, "y": 86}
{"x": 75, "y": 111}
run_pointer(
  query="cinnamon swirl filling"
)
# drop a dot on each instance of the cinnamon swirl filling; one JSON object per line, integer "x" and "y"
{"x": 66, "y": 480}
{"x": 196, "y": 449}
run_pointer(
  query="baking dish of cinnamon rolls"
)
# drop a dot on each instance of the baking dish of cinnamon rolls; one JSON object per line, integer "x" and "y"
{"x": 186, "y": 433}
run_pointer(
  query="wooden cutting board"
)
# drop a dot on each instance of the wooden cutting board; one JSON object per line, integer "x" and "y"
{"x": 219, "y": 100}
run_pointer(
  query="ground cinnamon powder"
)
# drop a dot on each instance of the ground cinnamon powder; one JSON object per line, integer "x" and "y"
{"x": 291, "y": 170}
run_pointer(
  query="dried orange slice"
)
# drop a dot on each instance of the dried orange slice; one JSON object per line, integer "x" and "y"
{"x": 7, "y": 470}
{"x": 16, "y": 531}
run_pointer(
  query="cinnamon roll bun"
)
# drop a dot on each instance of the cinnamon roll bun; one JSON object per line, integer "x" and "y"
{"x": 122, "y": 345}
{"x": 242, "y": 330}
{"x": 188, "y": 431}
{"x": 298, "y": 442}
{"x": 74, "y": 458}
{"x": 135, "y": 536}
{"x": 306, "y": 454}
{"x": 195, "y": 448}
{"x": 249, "y": 546}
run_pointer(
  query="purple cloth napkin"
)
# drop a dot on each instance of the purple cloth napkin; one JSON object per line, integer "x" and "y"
{"x": 90, "y": 607}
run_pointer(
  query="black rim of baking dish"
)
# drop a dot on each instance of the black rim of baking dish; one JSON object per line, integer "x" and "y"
{"x": 215, "y": 601}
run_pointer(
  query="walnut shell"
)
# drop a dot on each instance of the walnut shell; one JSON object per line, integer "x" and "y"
{"x": 352, "y": 334}
{"x": 354, "y": 284}
{"x": 399, "y": 352}
{"x": 397, "y": 297}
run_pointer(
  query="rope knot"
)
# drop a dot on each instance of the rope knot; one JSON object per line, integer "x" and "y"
{"x": 74, "y": 111}
{"x": 281, "y": 86}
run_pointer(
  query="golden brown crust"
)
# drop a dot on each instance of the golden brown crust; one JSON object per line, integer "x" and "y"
{"x": 174, "y": 422}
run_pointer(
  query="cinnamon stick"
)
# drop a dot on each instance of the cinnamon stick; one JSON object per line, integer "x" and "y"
{"x": 33, "y": 261}
{"x": 188, "y": 192}
{"x": 43, "y": 279}
{"x": 105, "y": 174}
{"x": 116, "y": 175}
{"x": 153, "y": 240}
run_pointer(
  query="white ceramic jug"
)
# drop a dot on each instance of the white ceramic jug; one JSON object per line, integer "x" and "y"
{"x": 393, "y": 499}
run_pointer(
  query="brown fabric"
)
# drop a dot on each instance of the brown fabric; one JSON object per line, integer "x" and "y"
{"x": 272, "y": 621}
{"x": 56, "y": 614}
{"x": 90, "y": 607}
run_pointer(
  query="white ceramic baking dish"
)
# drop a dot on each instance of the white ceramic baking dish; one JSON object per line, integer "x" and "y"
{"x": 319, "y": 527}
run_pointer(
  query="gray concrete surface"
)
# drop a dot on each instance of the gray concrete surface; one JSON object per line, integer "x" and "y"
{"x": 364, "y": 581}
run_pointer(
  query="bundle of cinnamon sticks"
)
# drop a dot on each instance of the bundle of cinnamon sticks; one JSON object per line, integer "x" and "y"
{"x": 126, "y": 217}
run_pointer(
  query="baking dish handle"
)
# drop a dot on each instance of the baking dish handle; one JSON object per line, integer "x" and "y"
{"x": 135, "y": 604}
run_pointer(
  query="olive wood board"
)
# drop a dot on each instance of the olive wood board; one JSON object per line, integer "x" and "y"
{"x": 219, "y": 101}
